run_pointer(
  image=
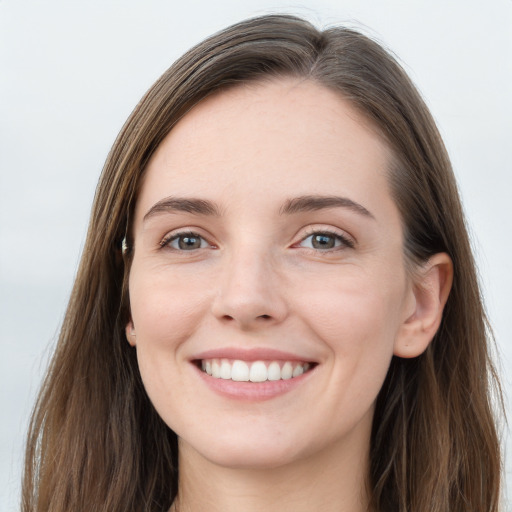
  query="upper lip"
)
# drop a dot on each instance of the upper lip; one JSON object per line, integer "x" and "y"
{"x": 250, "y": 354}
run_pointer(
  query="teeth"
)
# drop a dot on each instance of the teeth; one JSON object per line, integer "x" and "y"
{"x": 274, "y": 371}
{"x": 216, "y": 369}
{"x": 298, "y": 370}
{"x": 240, "y": 371}
{"x": 225, "y": 369}
{"x": 258, "y": 371}
{"x": 287, "y": 371}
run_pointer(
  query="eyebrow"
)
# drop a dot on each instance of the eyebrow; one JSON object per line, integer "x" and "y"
{"x": 300, "y": 204}
{"x": 179, "y": 204}
{"x": 313, "y": 203}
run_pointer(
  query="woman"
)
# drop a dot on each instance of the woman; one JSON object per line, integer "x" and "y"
{"x": 277, "y": 305}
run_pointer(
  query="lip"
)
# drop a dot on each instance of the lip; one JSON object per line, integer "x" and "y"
{"x": 251, "y": 391}
{"x": 252, "y": 354}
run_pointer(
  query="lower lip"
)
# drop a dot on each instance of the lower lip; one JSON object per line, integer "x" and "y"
{"x": 252, "y": 391}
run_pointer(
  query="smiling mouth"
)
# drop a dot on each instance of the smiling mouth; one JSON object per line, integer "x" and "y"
{"x": 253, "y": 371}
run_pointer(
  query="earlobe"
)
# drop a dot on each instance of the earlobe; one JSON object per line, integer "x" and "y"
{"x": 430, "y": 289}
{"x": 131, "y": 336}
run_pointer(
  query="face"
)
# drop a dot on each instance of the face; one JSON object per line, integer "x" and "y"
{"x": 268, "y": 288}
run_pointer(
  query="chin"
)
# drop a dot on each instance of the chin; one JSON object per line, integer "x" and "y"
{"x": 248, "y": 453}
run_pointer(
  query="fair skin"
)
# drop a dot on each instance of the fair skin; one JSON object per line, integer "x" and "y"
{"x": 265, "y": 231}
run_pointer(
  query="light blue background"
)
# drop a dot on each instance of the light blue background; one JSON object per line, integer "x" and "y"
{"x": 70, "y": 73}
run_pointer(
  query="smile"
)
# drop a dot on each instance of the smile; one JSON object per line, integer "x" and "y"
{"x": 253, "y": 371}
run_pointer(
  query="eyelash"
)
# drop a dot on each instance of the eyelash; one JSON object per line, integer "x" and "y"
{"x": 166, "y": 242}
{"x": 344, "y": 242}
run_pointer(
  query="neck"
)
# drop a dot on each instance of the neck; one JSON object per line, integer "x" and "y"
{"x": 334, "y": 481}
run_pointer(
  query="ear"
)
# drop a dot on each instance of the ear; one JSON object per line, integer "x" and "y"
{"x": 130, "y": 333}
{"x": 431, "y": 286}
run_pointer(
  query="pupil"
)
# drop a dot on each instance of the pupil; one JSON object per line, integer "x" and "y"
{"x": 189, "y": 242}
{"x": 323, "y": 242}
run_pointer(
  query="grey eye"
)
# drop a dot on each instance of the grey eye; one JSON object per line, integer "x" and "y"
{"x": 187, "y": 242}
{"x": 323, "y": 241}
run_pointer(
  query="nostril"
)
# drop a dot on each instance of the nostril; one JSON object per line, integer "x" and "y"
{"x": 265, "y": 317}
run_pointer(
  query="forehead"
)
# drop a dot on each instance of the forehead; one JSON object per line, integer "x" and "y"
{"x": 275, "y": 139}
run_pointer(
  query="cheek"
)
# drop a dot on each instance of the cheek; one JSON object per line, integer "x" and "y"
{"x": 355, "y": 307}
{"x": 166, "y": 309}
{"x": 358, "y": 319}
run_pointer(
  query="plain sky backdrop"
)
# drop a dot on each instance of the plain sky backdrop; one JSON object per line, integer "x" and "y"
{"x": 72, "y": 71}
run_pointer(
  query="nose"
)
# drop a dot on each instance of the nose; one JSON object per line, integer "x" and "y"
{"x": 250, "y": 292}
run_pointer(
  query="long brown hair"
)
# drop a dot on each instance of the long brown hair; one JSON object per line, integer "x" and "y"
{"x": 95, "y": 441}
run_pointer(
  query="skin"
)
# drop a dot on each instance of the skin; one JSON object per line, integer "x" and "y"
{"x": 258, "y": 281}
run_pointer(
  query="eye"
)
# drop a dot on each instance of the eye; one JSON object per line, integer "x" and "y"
{"x": 185, "y": 242}
{"x": 325, "y": 240}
